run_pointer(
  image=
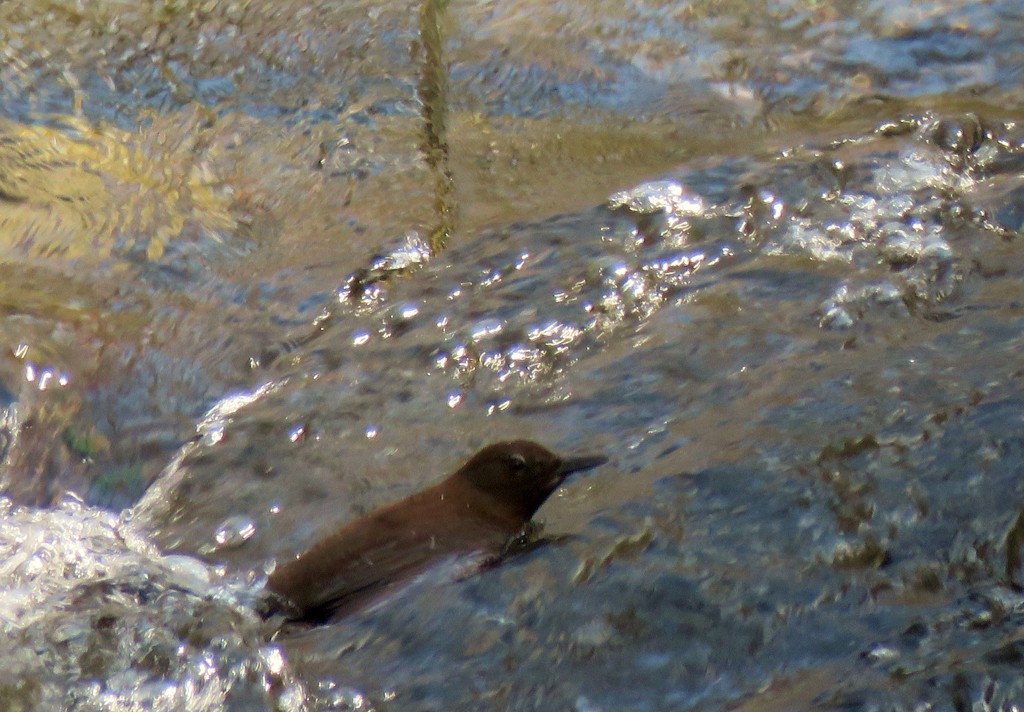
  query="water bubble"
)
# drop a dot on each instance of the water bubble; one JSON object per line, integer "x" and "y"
{"x": 398, "y": 319}
{"x": 674, "y": 267}
{"x": 234, "y": 532}
{"x": 879, "y": 653}
{"x": 607, "y": 270}
{"x": 851, "y": 304}
{"x": 633, "y": 287}
{"x": 658, "y": 196}
{"x": 498, "y": 406}
{"x": 491, "y": 276}
{"x": 273, "y": 659}
{"x": 494, "y": 360}
{"x": 528, "y": 363}
{"x": 937, "y": 276}
{"x": 187, "y": 572}
{"x": 554, "y": 334}
{"x": 485, "y": 328}
{"x": 960, "y": 136}
{"x": 900, "y": 246}
{"x": 411, "y": 252}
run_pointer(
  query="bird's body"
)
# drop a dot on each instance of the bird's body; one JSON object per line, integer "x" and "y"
{"x": 477, "y": 510}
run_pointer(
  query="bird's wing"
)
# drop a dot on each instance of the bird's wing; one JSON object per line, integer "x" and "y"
{"x": 364, "y": 578}
{"x": 357, "y": 564}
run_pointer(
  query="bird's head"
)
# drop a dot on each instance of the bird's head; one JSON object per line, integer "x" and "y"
{"x": 521, "y": 474}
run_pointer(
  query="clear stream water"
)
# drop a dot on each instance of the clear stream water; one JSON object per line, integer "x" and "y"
{"x": 266, "y": 266}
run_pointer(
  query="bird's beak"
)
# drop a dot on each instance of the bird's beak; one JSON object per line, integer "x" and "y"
{"x": 579, "y": 463}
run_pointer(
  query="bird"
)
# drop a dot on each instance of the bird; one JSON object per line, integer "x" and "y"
{"x": 478, "y": 510}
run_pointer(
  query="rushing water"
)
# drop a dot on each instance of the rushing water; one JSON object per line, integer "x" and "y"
{"x": 267, "y": 266}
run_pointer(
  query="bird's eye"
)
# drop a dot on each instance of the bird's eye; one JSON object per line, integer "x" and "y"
{"x": 517, "y": 462}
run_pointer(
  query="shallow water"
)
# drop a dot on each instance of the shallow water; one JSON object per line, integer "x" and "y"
{"x": 268, "y": 266}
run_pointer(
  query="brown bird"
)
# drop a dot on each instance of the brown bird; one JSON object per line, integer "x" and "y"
{"x": 477, "y": 510}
